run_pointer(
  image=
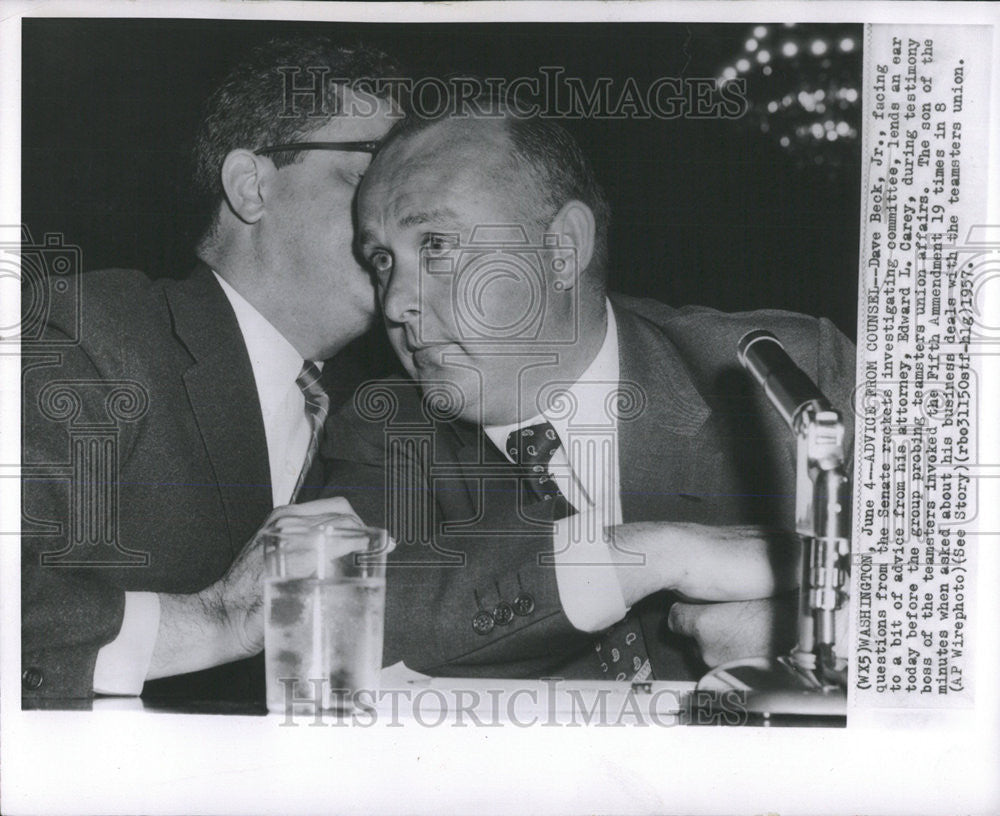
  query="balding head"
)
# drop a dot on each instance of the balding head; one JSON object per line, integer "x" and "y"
{"x": 529, "y": 166}
{"x": 483, "y": 250}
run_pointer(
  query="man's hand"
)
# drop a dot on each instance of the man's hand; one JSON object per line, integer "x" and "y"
{"x": 738, "y": 630}
{"x": 225, "y": 621}
{"x": 704, "y": 563}
{"x": 237, "y": 599}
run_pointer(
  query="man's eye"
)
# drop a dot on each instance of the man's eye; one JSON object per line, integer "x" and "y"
{"x": 381, "y": 261}
{"x": 436, "y": 242}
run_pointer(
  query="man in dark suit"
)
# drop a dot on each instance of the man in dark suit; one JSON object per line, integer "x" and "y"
{"x": 564, "y": 472}
{"x": 165, "y": 420}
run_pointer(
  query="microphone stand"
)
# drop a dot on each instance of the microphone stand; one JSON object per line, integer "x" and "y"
{"x": 812, "y": 680}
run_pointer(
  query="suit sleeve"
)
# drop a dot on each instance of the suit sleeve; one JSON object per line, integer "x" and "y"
{"x": 67, "y": 612}
{"x": 457, "y": 603}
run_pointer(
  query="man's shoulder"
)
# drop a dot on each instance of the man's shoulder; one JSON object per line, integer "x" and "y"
{"x": 130, "y": 294}
{"x": 116, "y": 280}
{"x": 703, "y": 321}
{"x": 106, "y": 329}
{"x": 706, "y": 339}
{"x": 123, "y": 320}
{"x": 102, "y": 301}
{"x": 709, "y": 337}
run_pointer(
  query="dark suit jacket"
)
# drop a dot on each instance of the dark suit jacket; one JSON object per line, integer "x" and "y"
{"x": 146, "y": 468}
{"x": 707, "y": 447}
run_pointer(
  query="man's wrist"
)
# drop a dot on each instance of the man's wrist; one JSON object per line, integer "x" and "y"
{"x": 231, "y": 620}
{"x": 709, "y": 563}
{"x": 193, "y": 634}
{"x": 643, "y": 554}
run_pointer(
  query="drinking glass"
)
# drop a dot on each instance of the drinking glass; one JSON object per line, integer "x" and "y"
{"x": 324, "y": 606}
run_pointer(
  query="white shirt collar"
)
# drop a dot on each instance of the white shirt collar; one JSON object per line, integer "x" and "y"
{"x": 275, "y": 361}
{"x": 589, "y": 394}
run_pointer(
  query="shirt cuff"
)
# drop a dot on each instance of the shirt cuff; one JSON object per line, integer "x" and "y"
{"x": 586, "y": 575}
{"x": 123, "y": 663}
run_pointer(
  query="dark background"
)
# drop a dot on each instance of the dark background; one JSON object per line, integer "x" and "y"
{"x": 712, "y": 212}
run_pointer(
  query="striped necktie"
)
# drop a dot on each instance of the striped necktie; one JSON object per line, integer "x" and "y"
{"x": 317, "y": 407}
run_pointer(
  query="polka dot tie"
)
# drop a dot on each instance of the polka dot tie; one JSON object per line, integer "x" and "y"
{"x": 533, "y": 448}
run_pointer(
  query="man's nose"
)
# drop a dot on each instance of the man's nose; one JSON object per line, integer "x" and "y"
{"x": 401, "y": 299}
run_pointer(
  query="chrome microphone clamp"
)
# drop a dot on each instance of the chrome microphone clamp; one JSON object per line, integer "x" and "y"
{"x": 822, "y": 505}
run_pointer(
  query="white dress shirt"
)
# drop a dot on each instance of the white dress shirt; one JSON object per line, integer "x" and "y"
{"x": 275, "y": 364}
{"x": 586, "y": 470}
{"x": 122, "y": 665}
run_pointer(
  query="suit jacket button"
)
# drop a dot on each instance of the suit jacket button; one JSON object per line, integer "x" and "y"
{"x": 503, "y": 613}
{"x": 524, "y": 604}
{"x": 32, "y": 679}
{"x": 482, "y": 622}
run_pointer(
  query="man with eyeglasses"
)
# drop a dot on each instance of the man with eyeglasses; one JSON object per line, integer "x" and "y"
{"x": 228, "y": 366}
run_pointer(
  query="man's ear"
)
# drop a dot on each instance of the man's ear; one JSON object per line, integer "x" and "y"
{"x": 243, "y": 174}
{"x": 574, "y": 224}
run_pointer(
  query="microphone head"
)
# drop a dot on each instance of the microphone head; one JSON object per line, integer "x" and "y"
{"x": 749, "y": 339}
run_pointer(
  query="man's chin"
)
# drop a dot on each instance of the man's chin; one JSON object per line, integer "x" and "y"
{"x": 451, "y": 395}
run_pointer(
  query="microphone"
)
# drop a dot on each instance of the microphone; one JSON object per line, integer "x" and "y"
{"x": 787, "y": 386}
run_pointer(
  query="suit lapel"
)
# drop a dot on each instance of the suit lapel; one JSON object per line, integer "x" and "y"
{"x": 660, "y": 448}
{"x": 223, "y": 396}
{"x": 465, "y": 448}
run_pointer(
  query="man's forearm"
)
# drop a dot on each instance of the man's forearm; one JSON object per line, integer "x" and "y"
{"x": 192, "y": 635}
{"x": 703, "y": 563}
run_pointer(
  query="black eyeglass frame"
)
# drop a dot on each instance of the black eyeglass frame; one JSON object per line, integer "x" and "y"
{"x": 349, "y": 147}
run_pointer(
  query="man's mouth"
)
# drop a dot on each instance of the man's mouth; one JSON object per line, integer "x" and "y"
{"x": 427, "y": 354}
{"x": 422, "y": 351}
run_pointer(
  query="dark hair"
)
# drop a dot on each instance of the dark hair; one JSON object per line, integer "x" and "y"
{"x": 553, "y": 159}
{"x": 252, "y": 109}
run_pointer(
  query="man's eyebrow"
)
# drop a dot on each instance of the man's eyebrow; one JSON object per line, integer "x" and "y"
{"x": 445, "y": 216}
{"x": 438, "y": 216}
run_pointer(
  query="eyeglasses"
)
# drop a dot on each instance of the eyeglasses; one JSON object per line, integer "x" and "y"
{"x": 351, "y": 147}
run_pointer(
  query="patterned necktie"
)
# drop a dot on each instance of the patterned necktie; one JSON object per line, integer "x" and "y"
{"x": 533, "y": 447}
{"x": 620, "y": 651}
{"x": 317, "y": 407}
